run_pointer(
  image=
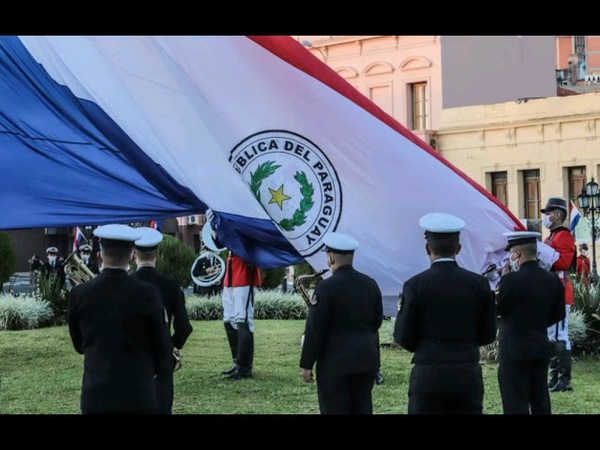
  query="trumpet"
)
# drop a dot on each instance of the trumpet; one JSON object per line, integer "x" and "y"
{"x": 302, "y": 285}
{"x": 76, "y": 270}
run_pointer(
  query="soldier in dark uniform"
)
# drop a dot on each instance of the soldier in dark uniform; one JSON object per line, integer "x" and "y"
{"x": 53, "y": 268}
{"x": 120, "y": 325}
{"x": 342, "y": 333}
{"x": 445, "y": 314}
{"x": 529, "y": 300}
{"x": 85, "y": 252}
{"x": 146, "y": 253}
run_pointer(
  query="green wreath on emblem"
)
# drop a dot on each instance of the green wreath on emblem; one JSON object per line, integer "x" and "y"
{"x": 267, "y": 169}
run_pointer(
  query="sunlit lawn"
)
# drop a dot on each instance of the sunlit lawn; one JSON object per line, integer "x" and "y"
{"x": 40, "y": 373}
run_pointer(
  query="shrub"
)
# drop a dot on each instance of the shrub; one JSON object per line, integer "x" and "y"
{"x": 268, "y": 304}
{"x": 587, "y": 302}
{"x": 24, "y": 312}
{"x": 272, "y": 278}
{"x": 8, "y": 258}
{"x": 578, "y": 328}
{"x": 204, "y": 307}
{"x": 279, "y": 305}
{"x": 176, "y": 259}
{"x": 55, "y": 294}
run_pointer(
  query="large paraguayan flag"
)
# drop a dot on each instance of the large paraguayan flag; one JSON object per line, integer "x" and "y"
{"x": 276, "y": 143}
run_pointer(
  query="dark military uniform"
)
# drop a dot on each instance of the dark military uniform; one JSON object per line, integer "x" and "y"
{"x": 342, "y": 338}
{"x": 174, "y": 303}
{"x": 446, "y": 314}
{"x": 93, "y": 266}
{"x": 120, "y": 326}
{"x": 56, "y": 270}
{"x": 528, "y": 301}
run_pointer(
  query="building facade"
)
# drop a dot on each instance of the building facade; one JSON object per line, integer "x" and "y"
{"x": 517, "y": 114}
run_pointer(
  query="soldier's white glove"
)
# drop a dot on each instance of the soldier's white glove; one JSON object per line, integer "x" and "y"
{"x": 210, "y": 215}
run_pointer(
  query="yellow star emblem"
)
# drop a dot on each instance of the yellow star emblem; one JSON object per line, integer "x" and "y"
{"x": 277, "y": 196}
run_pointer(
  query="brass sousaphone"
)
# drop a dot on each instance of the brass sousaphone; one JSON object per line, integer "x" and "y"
{"x": 209, "y": 268}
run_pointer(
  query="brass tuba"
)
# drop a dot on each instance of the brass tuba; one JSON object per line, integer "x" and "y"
{"x": 303, "y": 285}
{"x": 76, "y": 270}
{"x": 209, "y": 268}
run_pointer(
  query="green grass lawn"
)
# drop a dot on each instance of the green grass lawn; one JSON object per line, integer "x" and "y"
{"x": 40, "y": 373}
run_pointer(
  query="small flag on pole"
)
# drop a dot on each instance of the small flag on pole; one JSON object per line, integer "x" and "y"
{"x": 575, "y": 217}
{"x": 78, "y": 239}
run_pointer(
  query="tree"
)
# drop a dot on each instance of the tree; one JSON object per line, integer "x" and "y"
{"x": 8, "y": 258}
{"x": 176, "y": 259}
{"x": 272, "y": 278}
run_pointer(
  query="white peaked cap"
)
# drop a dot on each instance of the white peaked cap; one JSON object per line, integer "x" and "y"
{"x": 441, "y": 223}
{"x": 118, "y": 232}
{"x": 340, "y": 242}
{"x": 150, "y": 238}
{"x": 521, "y": 237}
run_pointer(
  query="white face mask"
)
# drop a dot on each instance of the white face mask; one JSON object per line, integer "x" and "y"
{"x": 51, "y": 259}
{"x": 514, "y": 263}
{"x": 546, "y": 221}
{"x": 85, "y": 258}
{"x": 584, "y": 252}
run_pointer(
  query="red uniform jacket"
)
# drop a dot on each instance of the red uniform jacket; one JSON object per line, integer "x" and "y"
{"x": 241, "y": 273}
{"x": 583, "y": 269}
{"x": 563, "y": 242}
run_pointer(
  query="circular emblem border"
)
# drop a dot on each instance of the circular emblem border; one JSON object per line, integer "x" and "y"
{"x": 281, "y": 134}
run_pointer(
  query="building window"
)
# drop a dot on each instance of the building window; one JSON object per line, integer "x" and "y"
{"x": 579, "y": 45}
{"x": 576, "y": 176}
{"x": 419, "y": 105}
{"x": 499, "y": 181}
{"x": 531, "y": 190}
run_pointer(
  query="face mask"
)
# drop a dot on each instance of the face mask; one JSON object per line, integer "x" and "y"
{"x": 546, "y": 221}
{"x": 51, "y": 259}
{"x": 514, "y": 264}
{"x": 85, "y": 258}
{"x": 584, "y": 252}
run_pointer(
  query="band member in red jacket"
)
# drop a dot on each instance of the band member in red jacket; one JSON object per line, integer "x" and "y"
{"x": 563, "y": 242}
{"x": 584, "y": 267}
{"x": 239, "y": 283}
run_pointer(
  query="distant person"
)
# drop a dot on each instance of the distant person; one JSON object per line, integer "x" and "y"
{"x": 120, "y": 326}
{"x": 53, "y": 269}
{"x": 341, "y": 337}
{"x": 529, "y": 300}
{"x": 146, "y": 255}
{"x": 85, "y": 252}
{"x": 563, "y": 242}
{"x": 584, "y": 266}
{"x": 35, "y": 267}
{"x": 446, "y": 313}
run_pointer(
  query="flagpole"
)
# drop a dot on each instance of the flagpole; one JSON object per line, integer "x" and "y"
{"x": 589, "y": 200}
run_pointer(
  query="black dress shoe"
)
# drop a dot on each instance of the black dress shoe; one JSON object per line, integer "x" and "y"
{"x": 561, "y": 387}
{"x": 379, "y": 378}
{"x": 229, "y": 371}
{"x": 239, "y": 374}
